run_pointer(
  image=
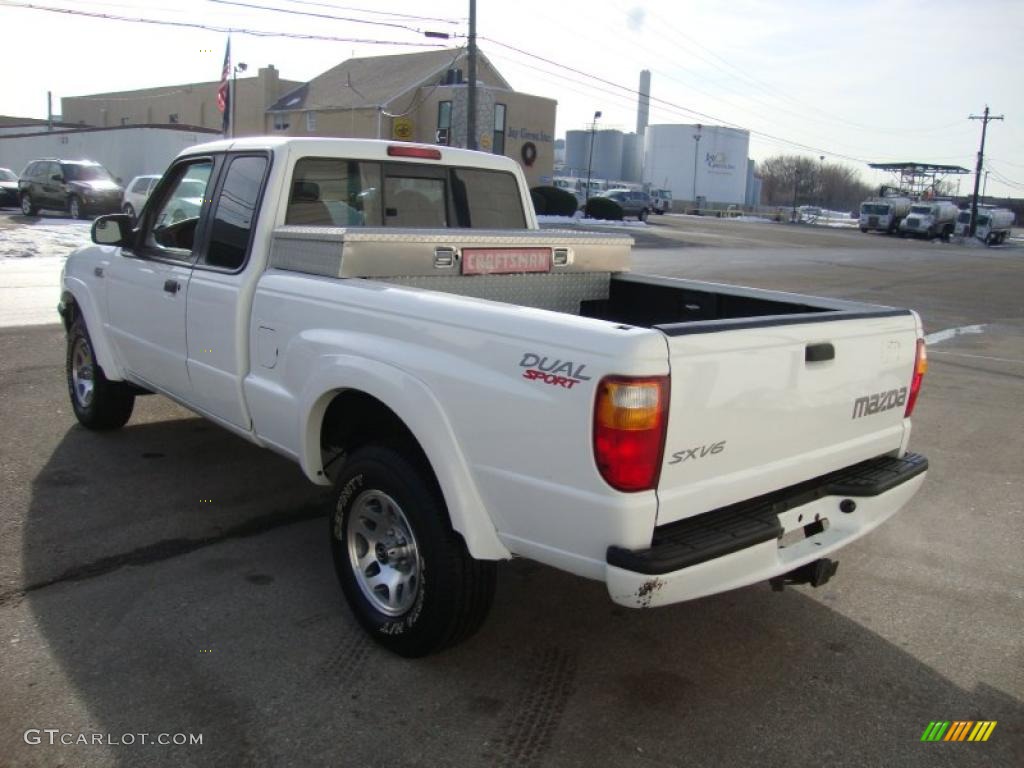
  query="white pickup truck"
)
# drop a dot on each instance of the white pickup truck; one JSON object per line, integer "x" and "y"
{"x": 390, "y": 317}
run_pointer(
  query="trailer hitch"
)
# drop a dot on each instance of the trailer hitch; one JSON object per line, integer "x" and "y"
{"x": 816, "y": 573}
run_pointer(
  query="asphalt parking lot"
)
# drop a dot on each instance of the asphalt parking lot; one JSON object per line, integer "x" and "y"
{"x": 170, "y": 578}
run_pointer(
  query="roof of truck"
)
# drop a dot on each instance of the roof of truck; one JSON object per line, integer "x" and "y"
{"x": 368, "y": 149}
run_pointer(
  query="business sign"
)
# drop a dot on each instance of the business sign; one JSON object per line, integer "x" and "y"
{"x": 402, "y": 128}
{"x": 718, "y": 161}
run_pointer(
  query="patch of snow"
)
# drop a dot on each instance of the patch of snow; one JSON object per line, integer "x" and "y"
{"x": 34, "y": 237}
{"x": 580, "y": 221}
{"x": 951, "y": 333}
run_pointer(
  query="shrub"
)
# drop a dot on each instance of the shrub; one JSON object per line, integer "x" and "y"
{"x": 540, "y": 203}
{"x": 603, "y": 208}
{"x": 557, "y": 202}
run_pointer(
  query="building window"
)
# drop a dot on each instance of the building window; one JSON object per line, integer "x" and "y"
{"x": 280, "y": 121}
{"x": 311, "y": 121}
{"x": 444, "y": 122}
{"x": 499, "y": 129}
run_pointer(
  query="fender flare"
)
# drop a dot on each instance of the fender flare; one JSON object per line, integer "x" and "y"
{"x": 415, "y": 404}
{"x": 82, "y": 298}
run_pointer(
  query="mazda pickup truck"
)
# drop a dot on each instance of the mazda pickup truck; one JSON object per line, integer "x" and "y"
{"x": 473, "y": 388}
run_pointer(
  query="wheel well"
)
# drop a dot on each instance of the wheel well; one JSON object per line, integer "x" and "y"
{"x": 355, "y": 418}
{"x": 69, "y": 312}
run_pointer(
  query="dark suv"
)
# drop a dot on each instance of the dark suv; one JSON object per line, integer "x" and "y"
{"x": 80, "y": 187}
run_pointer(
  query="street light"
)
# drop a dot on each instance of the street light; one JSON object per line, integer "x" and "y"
{"x": 239, "y": 67}
{"x": 590, "y": 160}
{"x": 696, "y": 145}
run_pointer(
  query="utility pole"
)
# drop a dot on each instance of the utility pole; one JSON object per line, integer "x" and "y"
{"x": 981, "y": 158}
{"x": 590, "y": 160}
{"x": 471, "y": 101}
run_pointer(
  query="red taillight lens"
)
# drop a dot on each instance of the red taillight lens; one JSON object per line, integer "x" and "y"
{"x": 920, "y": 368}
{"x": 423, "y": 153}
{"x": 630, "y": 416}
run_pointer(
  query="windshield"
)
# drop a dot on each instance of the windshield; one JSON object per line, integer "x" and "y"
{"x": 982, "y": 219}
{"x": 74, "y": 172}
{"x": 964, "y": 217}
{"x": 923, "y": 210}
{"x": 874, "y": 209}
{"x": 6, "y": 175}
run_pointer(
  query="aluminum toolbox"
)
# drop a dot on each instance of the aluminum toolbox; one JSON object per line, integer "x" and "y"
{"x": 381, "y": 252}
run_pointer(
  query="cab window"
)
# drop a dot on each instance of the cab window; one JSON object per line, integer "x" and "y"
{"x": 173, "y": 224}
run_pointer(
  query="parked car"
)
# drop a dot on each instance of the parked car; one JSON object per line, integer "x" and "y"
{"x": 668, "y": 437}
{"x": 136, "y": 193}
{"x": 8, "y": 188}
{"x": 633, "y": 202}
{"x": 80, "y": 187}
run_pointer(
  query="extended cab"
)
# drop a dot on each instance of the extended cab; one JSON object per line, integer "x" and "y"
{"x": 390, "y": 317}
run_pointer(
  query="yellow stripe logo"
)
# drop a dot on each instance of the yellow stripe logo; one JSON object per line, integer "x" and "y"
{"x": 958, "y": 730}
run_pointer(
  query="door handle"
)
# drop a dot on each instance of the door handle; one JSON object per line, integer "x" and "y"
{"x": 172, "y": 286}
{"x": 818, "y": 353}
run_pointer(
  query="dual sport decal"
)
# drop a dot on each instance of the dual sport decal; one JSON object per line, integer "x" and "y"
{"x": 557, "y": 373}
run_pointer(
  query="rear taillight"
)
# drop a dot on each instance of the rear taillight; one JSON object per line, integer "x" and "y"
{"x": 920, "y": 368}
{"x": 630, "y": 417}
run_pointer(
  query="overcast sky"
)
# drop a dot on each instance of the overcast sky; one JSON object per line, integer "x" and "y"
{"x": 856, "y": 80}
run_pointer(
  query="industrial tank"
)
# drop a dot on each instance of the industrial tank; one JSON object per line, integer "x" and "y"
{"x": 713, "y": 167}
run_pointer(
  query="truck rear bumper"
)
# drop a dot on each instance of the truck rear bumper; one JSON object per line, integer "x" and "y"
{"x": 765, "y": 537}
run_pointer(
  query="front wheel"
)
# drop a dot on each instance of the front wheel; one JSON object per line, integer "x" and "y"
{"x": 406, "y": 575}
{"x": 27, "y": 206}
{"x": 643, "y": 215}
{"x": 98, "y": 403}
{"x": 75, "y": 207}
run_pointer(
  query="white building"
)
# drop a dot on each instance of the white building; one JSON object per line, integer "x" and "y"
{"x": 671, "y": 155}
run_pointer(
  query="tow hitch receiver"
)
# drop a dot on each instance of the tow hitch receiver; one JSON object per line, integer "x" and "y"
{"x": 815, "y": 574}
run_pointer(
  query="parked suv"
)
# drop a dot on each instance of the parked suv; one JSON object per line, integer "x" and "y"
{"x": 80, "y": 187}
{"x": 633, "y": 202}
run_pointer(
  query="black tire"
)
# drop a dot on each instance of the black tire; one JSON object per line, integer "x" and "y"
{"x": 863, "y": 229}
{"x": 28, "y": 208}
{"x": 75, "y": 207}
{"x": 451, "y": 592}
{"x": 643, "y": 215}
{"x": 106, "y": 404}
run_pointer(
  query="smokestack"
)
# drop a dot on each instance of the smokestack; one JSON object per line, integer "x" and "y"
{"x": 643, "y": 107}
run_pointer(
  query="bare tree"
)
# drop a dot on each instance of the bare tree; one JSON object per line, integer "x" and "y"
{"x": 794, "y": 179}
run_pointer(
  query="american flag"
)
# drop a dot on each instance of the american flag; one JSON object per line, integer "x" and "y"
{"x": 224, "y": 91}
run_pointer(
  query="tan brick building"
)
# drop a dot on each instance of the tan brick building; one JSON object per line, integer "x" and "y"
{"x": 413, "y": 97}
{"x": 192, "y": 104}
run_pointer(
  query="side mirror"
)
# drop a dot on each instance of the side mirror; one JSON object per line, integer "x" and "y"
{"x": 119, "y": 180}
{"x": 57, "y": 177}
{"x": 112, "y": 229}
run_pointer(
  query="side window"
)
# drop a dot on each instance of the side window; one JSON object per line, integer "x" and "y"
{"x": 232, "y": 222}
{"x": 173, "y": 224}
{"x": 140, "y": 186}
{"x": 334, "y": 192}
{"x": 51, "y": 170}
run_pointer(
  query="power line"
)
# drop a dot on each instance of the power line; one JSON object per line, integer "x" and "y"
{"x": 312, "y": 14}
{"x": 391, "y": 14}
{"x": 727, "y": 123}
{"x": 214, "y": 28}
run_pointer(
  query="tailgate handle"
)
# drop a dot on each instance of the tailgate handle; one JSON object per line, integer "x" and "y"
{"x": 819, "y": 353}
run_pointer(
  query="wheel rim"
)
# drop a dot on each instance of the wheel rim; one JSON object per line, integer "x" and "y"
{"x": 83, "y": 372}
{"x": 74, "y": 207}
{"x": 383, "y": 553}
{"x": 26, "y": 205}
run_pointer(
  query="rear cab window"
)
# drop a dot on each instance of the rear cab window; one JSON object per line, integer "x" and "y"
{"x": 337, "y": 192}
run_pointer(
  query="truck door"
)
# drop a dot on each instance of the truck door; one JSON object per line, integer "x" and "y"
{"x": 148, "y": 283}
{"x": 220, "y": 293}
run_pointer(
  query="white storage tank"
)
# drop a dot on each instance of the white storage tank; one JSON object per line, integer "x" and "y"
{"x": 721, "y": 162}
{"x": 576, "y": 145}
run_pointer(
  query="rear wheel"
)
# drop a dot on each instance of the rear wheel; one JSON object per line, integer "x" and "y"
{"x": 97, "y": 402}
{"x": 405, "y": 573}
{"x": 643, "y": 215}
{"x": 129, "y": 210}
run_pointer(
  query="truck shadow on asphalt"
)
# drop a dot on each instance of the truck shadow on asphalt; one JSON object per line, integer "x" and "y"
{"x": 171, "y": 613}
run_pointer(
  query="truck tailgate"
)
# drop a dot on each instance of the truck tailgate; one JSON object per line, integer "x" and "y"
{"x": 754, "y": 409}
